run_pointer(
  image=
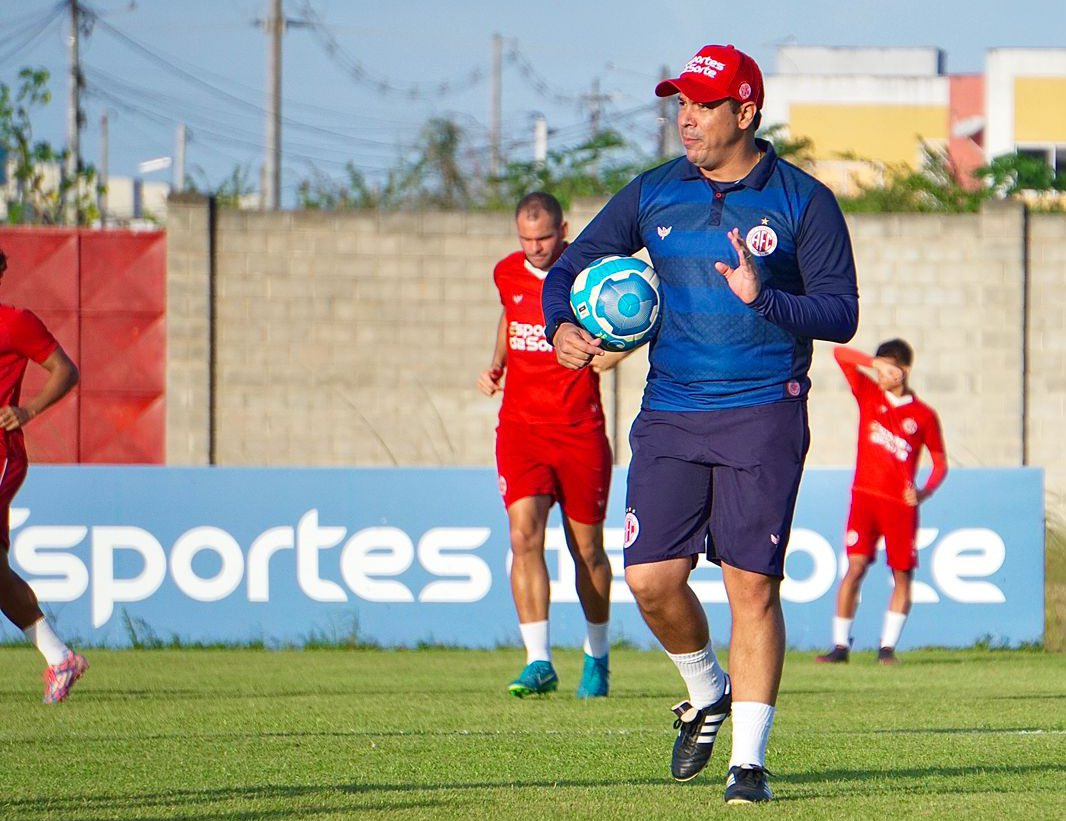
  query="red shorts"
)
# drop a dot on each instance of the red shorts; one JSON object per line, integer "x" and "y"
{"x": 570, "y": 463}
{"x": 872, "y": 517}
{"x": 12, "y": 472}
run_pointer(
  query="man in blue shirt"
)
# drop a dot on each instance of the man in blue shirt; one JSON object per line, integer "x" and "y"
{"x": 754, "y": 262}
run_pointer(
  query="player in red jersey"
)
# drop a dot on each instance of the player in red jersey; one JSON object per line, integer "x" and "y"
{"x": 24, "y": 337}
{"x": 894, "y": 425}
{"x": 551, "y": 446}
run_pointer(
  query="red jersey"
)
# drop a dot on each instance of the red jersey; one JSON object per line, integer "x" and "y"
{"x": 892, "y": 431}
{"x": 537, "y": 389}
{"x": 22, "y": 337}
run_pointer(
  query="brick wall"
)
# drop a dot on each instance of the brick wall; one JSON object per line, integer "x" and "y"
{"x": 351, "y": 338}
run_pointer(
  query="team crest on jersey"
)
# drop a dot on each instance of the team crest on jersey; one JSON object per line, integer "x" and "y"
{"x": 910, "y": 426}
{"x": 761, "y": 240}
{"x": 630, "y": 528}
{"x": 793, "y": 387}
{"x": 852, "y": 538}
{"x": 664, "y": 231}
{"x": 503, "y": 486}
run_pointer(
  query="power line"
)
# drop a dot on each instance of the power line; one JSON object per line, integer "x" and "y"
{"x": 29, "y": 33}
{"x": 383, "y": 85}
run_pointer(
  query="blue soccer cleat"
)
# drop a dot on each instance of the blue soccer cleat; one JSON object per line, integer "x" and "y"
{"x": 538, "y": 677}
{"x": 594, "y": 678}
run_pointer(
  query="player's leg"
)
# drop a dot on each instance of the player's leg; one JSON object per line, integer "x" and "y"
{"x": 755, "y": 490}
{"x": 583, "y": 473}
{"x": 665, "y": 528}
{"x": 530, "y": 586}
{"x": 861, "y": 543}
{"x": 592, "y": 571}
{"x": 901, "y": 527}
{"x": 19, "y": 604}
{"x": 528, "y": 488}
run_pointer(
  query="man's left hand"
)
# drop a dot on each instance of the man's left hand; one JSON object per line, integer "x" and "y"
{"x": 743, "y": 280}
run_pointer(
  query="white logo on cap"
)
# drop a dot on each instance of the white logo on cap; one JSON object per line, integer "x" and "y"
{"x": 703, "y": 65}
{"x": 744, "y": 91}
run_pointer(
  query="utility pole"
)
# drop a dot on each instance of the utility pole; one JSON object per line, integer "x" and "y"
{"x": 595, "y": 98}
{"x": 494, "y": 105}
{"x": 275, "y": 26}
{"x": 272, "y": 161}
{"x": 101, "y": 183}
{"x": 179, "y": 158}
{"x": 73, "y": 163}
{"x": 666, "y": 122}
{"x": 540, "y": 140}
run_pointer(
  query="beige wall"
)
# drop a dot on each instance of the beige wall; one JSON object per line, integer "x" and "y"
{"x": 349, "y": 338}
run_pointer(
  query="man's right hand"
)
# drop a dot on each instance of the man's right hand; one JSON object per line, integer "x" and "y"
{"x": 488, "y": 381}
{"x": 575, "y": 347}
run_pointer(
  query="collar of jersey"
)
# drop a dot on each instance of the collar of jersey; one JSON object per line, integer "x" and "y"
{"x": 757, "y": 177}
{"x": 898, "y": 401}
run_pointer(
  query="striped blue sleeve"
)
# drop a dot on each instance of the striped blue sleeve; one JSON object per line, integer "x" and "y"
{"x": 615, "y": 230}
{"x": 829, "y": 307}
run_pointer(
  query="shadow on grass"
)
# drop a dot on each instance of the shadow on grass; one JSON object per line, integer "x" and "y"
{"x": 203, "y": 804}
{"x": 211, "y": 803}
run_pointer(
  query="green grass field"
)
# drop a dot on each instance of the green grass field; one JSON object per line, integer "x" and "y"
{"x": 331, "y": 734}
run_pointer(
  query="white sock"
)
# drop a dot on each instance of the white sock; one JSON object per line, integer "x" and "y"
{"x": 41, "y": 635}
{"x": 703, "y": 675}
{"x": 596, "y": 643}
{"x": 842, "y": 631}
{"x": 535, "y": 638}
{"x": 752, "y": 722}
{"x": 892, "y": 628}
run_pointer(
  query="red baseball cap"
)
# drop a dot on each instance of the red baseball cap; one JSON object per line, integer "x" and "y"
{"x": 717, "y": 72}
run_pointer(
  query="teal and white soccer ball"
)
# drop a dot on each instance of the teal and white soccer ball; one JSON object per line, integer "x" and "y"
{"x": 617, "y": 299}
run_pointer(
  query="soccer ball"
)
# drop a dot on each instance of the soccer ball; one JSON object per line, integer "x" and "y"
{"x": 617, "y": 299}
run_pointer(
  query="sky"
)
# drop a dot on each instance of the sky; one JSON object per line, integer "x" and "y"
{"x": 361, "y": 78}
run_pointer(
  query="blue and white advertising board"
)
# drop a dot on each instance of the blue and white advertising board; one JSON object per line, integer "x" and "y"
{"x": 400, "y": 557}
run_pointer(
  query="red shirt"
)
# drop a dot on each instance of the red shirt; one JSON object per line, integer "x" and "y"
{"x": 22, "y": 337}
{"x": 892, "y": 432}
{"x": 537, "y": 389}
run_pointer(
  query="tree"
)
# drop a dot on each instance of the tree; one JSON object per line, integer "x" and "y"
{"x": 598, "y": 167}
{"x": 321, "y": 193}
{"x": 799, "y": 151}
{"x": 36, "y": 167}
{"x": 1010, "y": 174}
{"x": 934, "y": 186}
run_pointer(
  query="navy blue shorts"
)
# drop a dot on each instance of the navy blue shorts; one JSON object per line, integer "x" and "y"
{"x": 723, "y": 483}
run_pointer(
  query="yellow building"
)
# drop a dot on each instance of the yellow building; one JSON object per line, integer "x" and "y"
{"x": 865, "y": 109}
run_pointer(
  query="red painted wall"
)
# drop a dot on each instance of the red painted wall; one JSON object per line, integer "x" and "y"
{"x": 103, "y": 296}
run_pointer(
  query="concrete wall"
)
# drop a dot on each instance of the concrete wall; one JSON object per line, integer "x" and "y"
{"x": 356, "y": 339}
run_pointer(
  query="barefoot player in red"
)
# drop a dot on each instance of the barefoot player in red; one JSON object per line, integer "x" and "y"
{"x": 24, "y": 337}
{"x": 894, "y": 425}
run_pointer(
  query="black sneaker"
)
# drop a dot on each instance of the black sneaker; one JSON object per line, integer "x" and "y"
{"x": 697, "y": 732}
{"x": 747, "y": 785}
{"x": 837, "y": 655}
{"x": 886, "y": 655}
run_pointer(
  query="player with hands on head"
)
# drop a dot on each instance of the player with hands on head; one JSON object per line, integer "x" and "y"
{"x": 894, "y": 426}
{"x": 24, "y": 338}
{"x": 551, "y": 446}
{"x": 754, "y": 263}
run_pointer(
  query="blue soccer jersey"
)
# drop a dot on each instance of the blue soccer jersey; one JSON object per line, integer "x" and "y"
{"x": 712, "y": 351}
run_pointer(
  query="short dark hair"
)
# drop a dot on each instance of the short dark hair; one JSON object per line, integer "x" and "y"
{"x": 538, "y": 201}
{"x": 898, "y": 350}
